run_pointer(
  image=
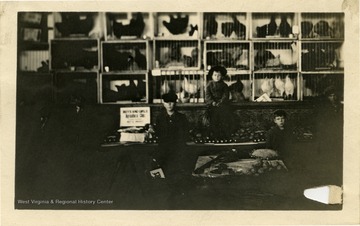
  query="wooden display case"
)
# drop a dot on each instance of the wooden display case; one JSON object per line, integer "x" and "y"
{"x": 177, "y": 25}
{"x": 276, "y": 56}
{"x": 129, "y": 25}
{"x": 177, "y": 54}
{"x": 274, "y": 26}
{"x": 234, "y": 55}
{"x": 125, "y": 56}
{"x": 277, "y": 86}
{"x": 240, "y": 87}
{"x": 166, "y": 48}
{"x": 314, "y": 85}
{"x": 71, "y": 85}
{"x": 78, "y": 25}
{"x": 322, "y": 26}
{"x": 74, "y": 54}
{"x": 188, "y": 85}
{"x": 225, "y": 26}
{"x": 124, "y": 88}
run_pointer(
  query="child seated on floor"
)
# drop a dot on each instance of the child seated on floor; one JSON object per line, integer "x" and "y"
{"x": 279, "y": 137}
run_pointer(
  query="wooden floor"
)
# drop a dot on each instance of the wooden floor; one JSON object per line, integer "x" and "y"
{"x": 64, "y": 161}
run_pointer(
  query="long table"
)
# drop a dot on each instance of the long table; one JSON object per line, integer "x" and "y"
{"x": 272, "y": 190}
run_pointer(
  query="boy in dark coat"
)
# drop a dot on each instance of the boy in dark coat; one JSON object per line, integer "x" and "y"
{"x": 172, "y": 128}
{"x": 279, "y": 137}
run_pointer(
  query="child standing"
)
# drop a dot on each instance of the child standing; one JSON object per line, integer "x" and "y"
{"x": 217, "y": 100}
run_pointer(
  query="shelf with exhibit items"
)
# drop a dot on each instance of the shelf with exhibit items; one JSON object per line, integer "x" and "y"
{"x": 176, "y": 50}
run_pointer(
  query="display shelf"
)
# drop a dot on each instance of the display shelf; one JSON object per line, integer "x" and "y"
{"x": 188, "y": 85}
{"x": 276, "y": 56}
{"x": 235, "y": 71}
{"x": 69, "y": 85}
{"x": 125, "y": 56}
{"x": 314, "y": 85}
{"x": 30, "y": 45}
{"x": 78, "y": 25}
{"x": 240, "y": 87}
{"x": 323, "y": 72}
{"x": 234, "y": 55}
{"x": 322, "y": 26}
{"x": 274, "y": 25}
{"x": 177, "y": 54}
{"x": 329, "y": 40}
{"x": 74, "y": 54}
{"x": 129, "y": 25}
{"x": 225, "y": 26}
{"x": 274, "y": 71}
{"x": 33, "y": 27}
{"x": 124, "y": 88}
{"x": 277, "y": 87}
{"x": 34, "y": 31}
{"x": 167, "y": 47}
{"x": 33, "y": 60}
{"x": 322, "y": 56}
{"x": 181, "y": 25}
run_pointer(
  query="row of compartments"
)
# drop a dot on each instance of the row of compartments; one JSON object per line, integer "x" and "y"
{"x": 190, "y": 86}
{"x": 193, "y": 25}
{"x": 137, "y": 56}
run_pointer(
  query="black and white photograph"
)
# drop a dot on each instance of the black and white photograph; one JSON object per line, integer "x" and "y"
{"x": 183, "y": 110}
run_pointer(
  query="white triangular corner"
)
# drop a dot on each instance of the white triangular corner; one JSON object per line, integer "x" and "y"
{"x": 329, "y": 194}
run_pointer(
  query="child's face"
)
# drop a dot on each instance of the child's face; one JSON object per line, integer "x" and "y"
{"x": 169, "y": 106}
{"x": 280, "y": 121}
{"x": 216, "y": 76}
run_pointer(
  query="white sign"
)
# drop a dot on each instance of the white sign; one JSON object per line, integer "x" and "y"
{"x": 134, "y": 116}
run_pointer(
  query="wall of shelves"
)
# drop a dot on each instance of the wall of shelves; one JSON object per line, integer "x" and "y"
{"x": 288, "y": 56}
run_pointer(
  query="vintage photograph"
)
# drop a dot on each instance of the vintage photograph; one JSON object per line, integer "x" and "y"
{"x": 181, "y": 109}
{"x": 178, "y": 110}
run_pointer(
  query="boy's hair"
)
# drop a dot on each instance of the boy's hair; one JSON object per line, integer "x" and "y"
{"x": 220, "y": 69}
{"x": 279, "y": 113}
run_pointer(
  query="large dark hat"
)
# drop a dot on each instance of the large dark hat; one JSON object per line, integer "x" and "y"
{"x": 169, "y": 97}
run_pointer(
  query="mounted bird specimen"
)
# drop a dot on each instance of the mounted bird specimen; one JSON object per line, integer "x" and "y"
{"x": 322, "y": 28}
{"x": 140, "y": 59}
{"x": 289, "y": 88}
{"x": 190, "y": 87}
{"x": 236, "y": 90}
{"x": 134, "y": 28}
{"x": 279, "y": 86}
{"x": 211, "y": 25}
{"x": 306, "y": 29}
{"x": 239, "y": 28}
{"x": 267, "y": 29}
{"x": 267, "y": 86}
{"x": 177, "y": 25}
{"x": 72, "y": 23}
{"x": 193, "y": 29}
{"x": 284, "y": 27}
{"x": 262, "y": 57}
